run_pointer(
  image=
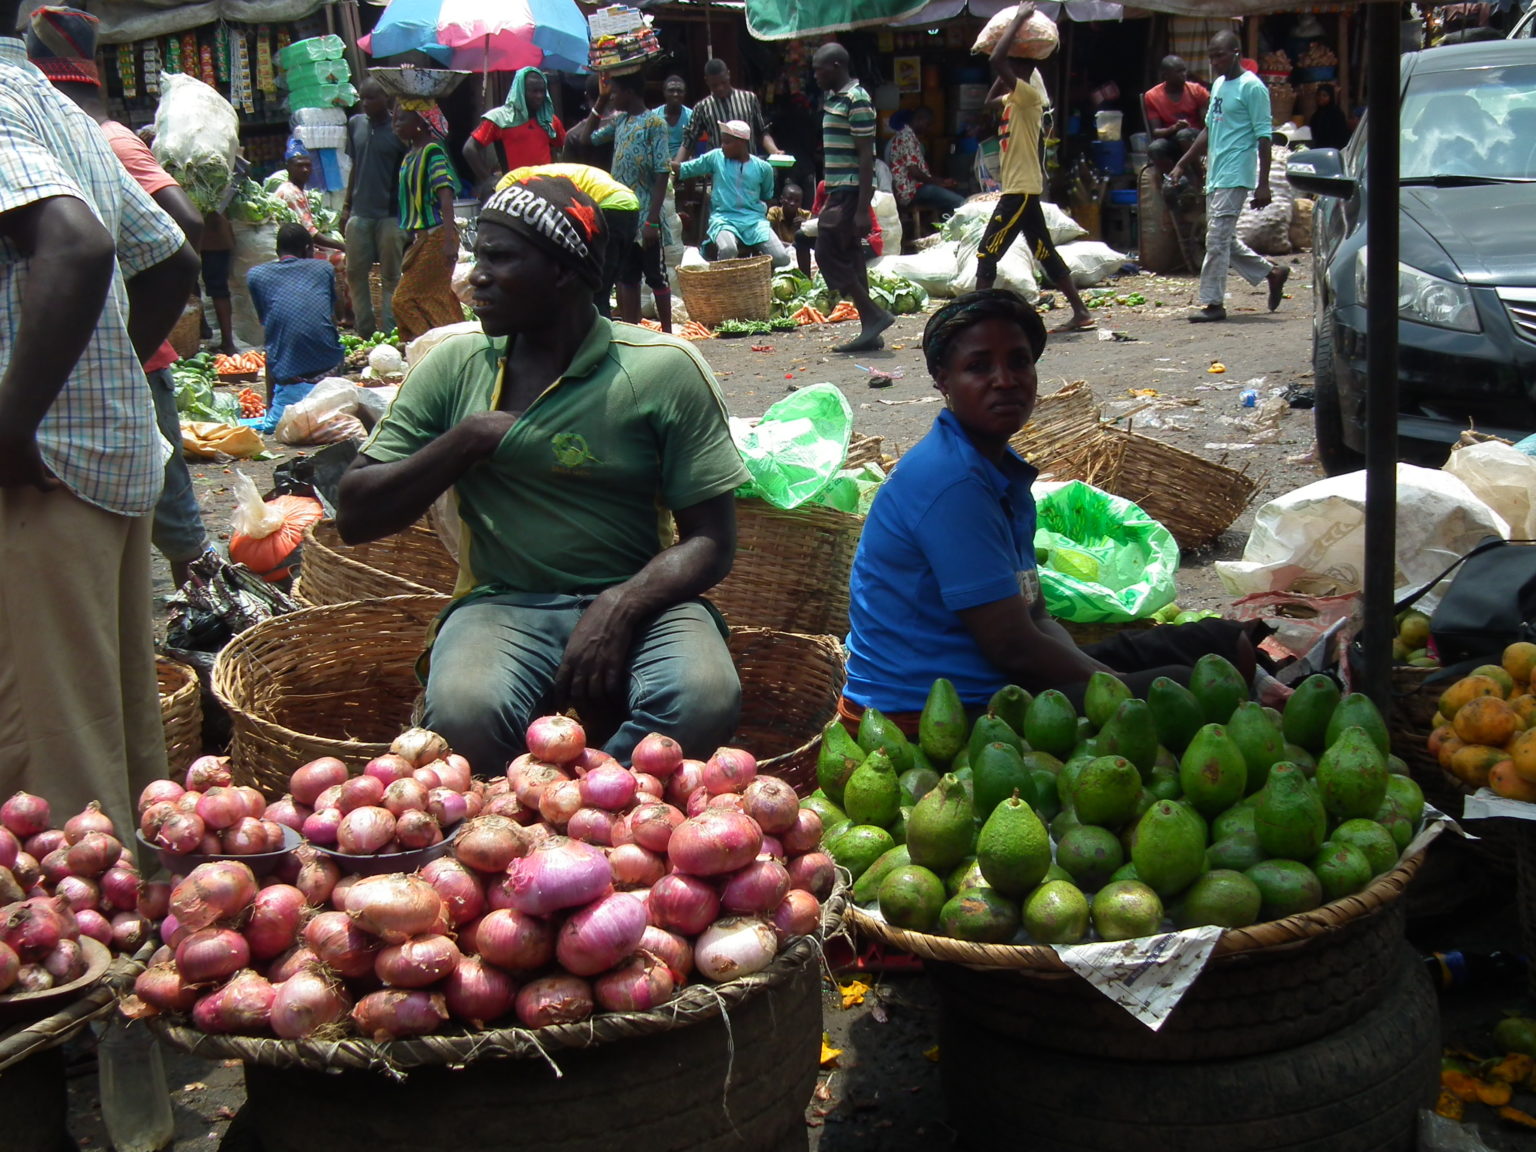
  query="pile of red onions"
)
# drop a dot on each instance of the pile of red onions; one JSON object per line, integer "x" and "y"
{"x": 208, "y": 814}
{"x": 577, "y": 885}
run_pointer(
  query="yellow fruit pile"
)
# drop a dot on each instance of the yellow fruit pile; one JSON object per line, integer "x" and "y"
{"x": 1485, "y": 731}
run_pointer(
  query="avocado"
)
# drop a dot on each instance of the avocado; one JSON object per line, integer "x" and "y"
{"x": 1352, "y": 775}
{"x": 942, "y": 829}
{"x": 873, "y": 794}
{"x": 1289, "y": 819}
{"x": 878, "y": 733}
{"x": 1106, "y": 792}
{"x": 1013, "y": 849}
{"x": 1304, "y": 720}
{"x": 1175, "y": 712}
{"x": 1050, "y": 724}
{"x": 1357, "y": 710}
{"x": 991, "y": 729}
{"x": 1217, "y": 686}
{"x": 941, "y": 728}
{"x": 998, "y": 772}
{"x": 1104, "y": 694}
{"x": 1011, "y": 704}
{"x": 1168, "y": 848}
{"x": 1132, "y": 733}
{"x": 836, "y": 760}
{"x": 868, "y": 884}
{"x": 1213, "y": 771}
{"x": 1259, "y": 740}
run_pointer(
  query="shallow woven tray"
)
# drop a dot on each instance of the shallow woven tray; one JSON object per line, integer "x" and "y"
{"x": 791, "y": 569}
{"x": 728, "y": 290}
{"x": 24, "y": 1040}
{"x": 695, "y": 1004}
{"x": 409, "y": 563}
{"x": 1195, "y": 498}
{"x": 181, "y": 713}
{"x": 1042, "y": 960}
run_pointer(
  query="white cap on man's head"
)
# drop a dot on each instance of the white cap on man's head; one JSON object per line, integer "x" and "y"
{"x": 737, "y": 128}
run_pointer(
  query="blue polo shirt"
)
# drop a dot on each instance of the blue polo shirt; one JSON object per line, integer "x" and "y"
{"x": 295, "y": 300}
{"x": 949, "y": 530}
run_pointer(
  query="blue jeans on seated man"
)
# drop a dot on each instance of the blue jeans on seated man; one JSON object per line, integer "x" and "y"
{"x": 728, "y": 246}
{"x": 493, "y": 671}
{"x": 178, "y": 530}
{"x": 936, "y": 196}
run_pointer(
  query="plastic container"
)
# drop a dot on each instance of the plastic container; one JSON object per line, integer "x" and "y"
{"x": 322, "y": 96}
{"x": 315, "y": 48}
{"x": 1123, "y": 196}
{"x": 1107, "y": 125}
{"x": 1109, "y": 156}
{"x": 320, "y": 117}
{"x": 1249, "y": 397}
{"x": 135, "y": 1101}
{"x": 309, "y": 73}
{"x": 1140, "y": 141}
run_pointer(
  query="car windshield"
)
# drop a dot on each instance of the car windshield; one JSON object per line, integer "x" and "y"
{"x": 1480, "y": 122}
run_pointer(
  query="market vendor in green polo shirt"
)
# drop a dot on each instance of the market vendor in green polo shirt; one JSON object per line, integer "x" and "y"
{"x": 566, "y": 439}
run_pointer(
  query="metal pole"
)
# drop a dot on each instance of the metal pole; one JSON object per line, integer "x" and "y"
{"x": 1383, "y": 43}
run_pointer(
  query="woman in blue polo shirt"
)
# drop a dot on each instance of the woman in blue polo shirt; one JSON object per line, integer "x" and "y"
{"x": 944, "y": 582}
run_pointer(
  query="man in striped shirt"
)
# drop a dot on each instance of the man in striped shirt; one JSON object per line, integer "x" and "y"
{"x": 722, "y": 104}
{"x": 848, "y": 157}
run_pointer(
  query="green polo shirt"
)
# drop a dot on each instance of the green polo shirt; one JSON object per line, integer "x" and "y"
{"x": 576, "y": 498}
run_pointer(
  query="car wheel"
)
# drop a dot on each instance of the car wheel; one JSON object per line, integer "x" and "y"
{"x": 1336, "y": 456}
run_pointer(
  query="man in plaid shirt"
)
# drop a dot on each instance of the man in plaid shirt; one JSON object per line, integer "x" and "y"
{"x": 93, "y": 276}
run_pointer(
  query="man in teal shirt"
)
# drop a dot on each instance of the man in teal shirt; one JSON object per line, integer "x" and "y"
{"x": 570, "y": 444}
{"x": 741, "y": 188}
{"x": 1236, "y": 136}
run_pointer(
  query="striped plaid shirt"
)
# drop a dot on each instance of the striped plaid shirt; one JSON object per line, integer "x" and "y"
{"x": 709, "y": 113}
{"x": 99, "y": 437}
{"x": 846, "y": 114}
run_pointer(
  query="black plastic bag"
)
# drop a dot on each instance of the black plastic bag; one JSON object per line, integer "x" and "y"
{"x": 219, "y": 601}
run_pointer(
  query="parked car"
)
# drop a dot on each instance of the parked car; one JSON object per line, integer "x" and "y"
{"x": 1525, "y": 27}
{"x": 1467, "y": 271}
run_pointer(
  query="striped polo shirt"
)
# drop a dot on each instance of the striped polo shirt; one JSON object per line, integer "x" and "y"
{"x": 846, "y": 114}
{"x": 710, "y": 112}
{"x": 423, "y": 172}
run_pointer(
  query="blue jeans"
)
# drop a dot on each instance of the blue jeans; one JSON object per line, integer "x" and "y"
{"x": 494, "y": 663}
{"x": 178, "y": 527}
{"x": 936, "y": 196}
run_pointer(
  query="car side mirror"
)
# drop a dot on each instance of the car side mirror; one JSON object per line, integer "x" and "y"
{"x": 1319, "y": 172}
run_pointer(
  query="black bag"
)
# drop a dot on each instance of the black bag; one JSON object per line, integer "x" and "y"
{"x": 1490, "y": 604}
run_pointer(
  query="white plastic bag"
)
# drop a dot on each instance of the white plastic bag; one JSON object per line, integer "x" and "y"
{"x": 301, "y": 421}
{"x": 1035, "y": 41}
{"x": 933, "y": 269}
{"x": 1091, "y": 261}
{"x": 254, "y": 244}
{"x": 1312, "y": 540}
{"x": 427, "y": 341}
{"x": 197, "y": 134}
{"x": 889, "y": 216}
{"x": 1060, "y": 225}
{"x": 1502, "y": 478}
{"x": 253, "y": 516}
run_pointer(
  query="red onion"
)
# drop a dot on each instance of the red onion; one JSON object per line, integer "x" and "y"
{"x": 292, "y": 962}
{"x": 815, "y": 872}
{"x": 560, "y": 800}
{"x": 210, "y": 954}
{"x": 478, "y": 992}
{"x": 242, "y": 1005}
{"x": 33, "y": 978}
{"x": 427, "y": 777}
{"x": 459, "y": 887}
{"x": 610, "y": 787}
{"x": 683, "y": 904}
{"x": 529, "y": 784}
{"x": 221, "y": 808}
{"x": 619, "y": 833}
{"x": 556, "y": 739}
{"x": 395, "y": 1014}
{"x": 66, "y": 963}
{"x": 680, "y": 785}
{"x": 563, "y": 873}
{"x": 448, "y": 806}
{"x": 805, "y": 834}
{"x": 220, "y": 890}
{"x": 729, "y": 770}
{"x": 600, "y": 935}
{"x": 338, "y": 898}
{"x": 756, "y": 889}
{"x": 129, "y": 931}
{"x": 772, "y": 849}
{"x": 321, "y": 827}
{"x": 340, "y": 944}
{"x": 48, "y": 841}
{"x": 289, "y": 813}
{"x": 592, "y": 825}
{"x": 657, "y": 755}
{"x": 306, "y": 1002}
{"x": 317, "y": 877}
{"x": 419, "y": 746}
{"x": 798, "y": 914}
{"x": 591, "y": 758}
{"x": 772, "y": 803}
{"x": 402, "y": 796}
{"x": 388, "y": 768}
{"x": 652, "y": 825}
{"x": 11, "y": 892}
{"x": 162, "y": 989}
{"x": 78, "y": 892}
{"x": 512, "y": 940}
{"x": 10, "y": 965}
{"x": 671, "y": 949}
{"x": 247, "y": 838}
{"x": 395, "y": 907}
{"x": 735, "y": 946}
{"x": 504, "y": 805}
{"x": 93, "y": 924}
{"x": 154, "y": 815}
{"x": 210, "y": 845}
{"x": 714, "y": 842}
{"x": 120, "y": 889}
{"x": 89, "y": 819}
{"x": 159, "y": 791}
{"x": 187, "y": 801}
{"x": 490, "y": 843}
{"x": 638, "y": 984}
{"x": 180, "y": 833}
{"x": 253, "y": 801}
{"x": 539, "y": 833}
{"x": 172, "y": 932}
{"x": 277, "y": 835}
{"x": 25, "y": 815}
{"x": 417, "y": 829}
{"x": 277, "y": 913}
{"x": 730, "y": 800}
{"x": 648, "y": 785}
{"x": 364, "y": 831}
{"x": 208, "y": 772}
{"x": 454, "y": 771}
{"x": 55, "y": 866}
{"x": 10, "y": 848}
{"x": 417, "y": 962}
{"x": 636, "y": 867}
{"x": 27, "y": 870}
{"x": 360, "y": 792}
{"x": 155, "y": 900}
{"x": 558, "y": 999}
{"x": 698, "y": 800}
{"x": 33, "y": 928}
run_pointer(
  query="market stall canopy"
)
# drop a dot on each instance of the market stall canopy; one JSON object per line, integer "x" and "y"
{"x": 123, "y": 21}
{"x": 939, "y": 10}
{"x": 484, "y": 35}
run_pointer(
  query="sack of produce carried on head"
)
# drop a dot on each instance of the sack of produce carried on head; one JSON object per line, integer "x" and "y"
{"x": 197, "y": 134}
{"x": 1035, "y": 41}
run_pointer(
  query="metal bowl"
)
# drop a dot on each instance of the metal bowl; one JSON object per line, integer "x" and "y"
{"x": 261, "y": 864}
{"x": 420, "y": 83}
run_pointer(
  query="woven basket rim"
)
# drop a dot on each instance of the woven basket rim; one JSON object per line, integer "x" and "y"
{"x": 175, "y": 669}
{"x": 350, "y": 564}
{"x": 1272, "y": 934}
{"x": 696, "y": 1004}
{"x": 686, "y": 272}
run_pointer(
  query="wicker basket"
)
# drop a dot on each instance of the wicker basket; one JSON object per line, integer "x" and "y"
{"x": 791, "y": 569}
{"x": 789, "y": 691}
{"x": 181, "y": 712}
{"x": 338, "y": 680}
{"x": 1196, "y": 499}
{"x": 728, "y": 290}
{"x": 409, "y": 563}
{"x": 187, "y": 336}
{"x": 863, "y": 450}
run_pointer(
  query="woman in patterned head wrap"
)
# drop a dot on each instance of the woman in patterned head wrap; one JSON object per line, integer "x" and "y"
{"x": 424, "y": 298}
{"x": 525, "y": 128}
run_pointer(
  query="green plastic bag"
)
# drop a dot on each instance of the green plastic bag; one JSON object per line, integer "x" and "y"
{"x": 853, "y": 489}
{"x": 1102, "y": 559}
{"x": 798, "y": 446}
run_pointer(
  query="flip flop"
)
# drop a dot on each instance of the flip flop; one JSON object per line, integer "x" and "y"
{"x": 1062, "y": 329}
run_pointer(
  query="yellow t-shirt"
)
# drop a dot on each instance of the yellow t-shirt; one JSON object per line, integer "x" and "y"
{"x": 1019, "y": 139}
{"x": 605, "y": 191}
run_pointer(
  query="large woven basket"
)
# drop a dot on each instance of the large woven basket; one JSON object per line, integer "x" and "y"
{"x": 1196, "y": 499}
{"x": 186, "y": 336}
{"x": 181, "y": 713}
{"x": 728, "y": 290}
{"x": 409, "y": 563}
{"x": 790, "y": 686}
{"x": 791, "y": 569}
{"x": 336, "y": 680}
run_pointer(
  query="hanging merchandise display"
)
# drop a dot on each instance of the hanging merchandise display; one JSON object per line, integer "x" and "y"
{"x": 266, "y": 73}
{"x": 150, "y": 50}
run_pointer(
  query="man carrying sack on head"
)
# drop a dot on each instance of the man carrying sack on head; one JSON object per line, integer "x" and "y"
{"x": 561, "y": 435}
